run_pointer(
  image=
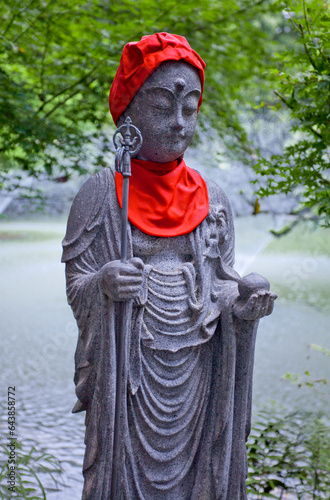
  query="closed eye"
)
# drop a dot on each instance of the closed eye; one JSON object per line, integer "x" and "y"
{"x": 159, "y": 98}
{"x": 190, "y": 103}
{"x": 189, "y": 110}
{"x": 160, "y": 105}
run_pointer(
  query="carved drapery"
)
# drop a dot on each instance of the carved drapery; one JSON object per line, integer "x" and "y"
{"x": 190, "y": 366}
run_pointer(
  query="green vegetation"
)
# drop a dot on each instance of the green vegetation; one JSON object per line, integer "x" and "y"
{"x": 59, "y": 57}
{"x": 30, "y": 469}
{"x": 307, "y": 379}
{"x": 303, "y": 74}
{"x": 289, "y": 453}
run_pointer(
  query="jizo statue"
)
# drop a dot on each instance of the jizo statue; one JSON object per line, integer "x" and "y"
{"x": 187, "y": 319}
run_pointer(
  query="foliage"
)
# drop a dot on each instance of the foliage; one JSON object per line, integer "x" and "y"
{"x": 58, "y": 59}
{"x": 304, "y": 380}
{"x": 303, "y": 74}
{"x": 289, "y": 454}
{"x": 319, "y": 348}
{"x": 28, "y": 469}
{"x": 307, "y": 380}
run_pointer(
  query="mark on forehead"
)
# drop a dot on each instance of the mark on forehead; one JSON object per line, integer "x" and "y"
{"x": 180, "y": 84}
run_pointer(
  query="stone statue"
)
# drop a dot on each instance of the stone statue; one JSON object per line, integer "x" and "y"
{"x": 192, "y": 320}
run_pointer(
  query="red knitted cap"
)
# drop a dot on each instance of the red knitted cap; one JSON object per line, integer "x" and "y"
{"x": 140, "y": 59}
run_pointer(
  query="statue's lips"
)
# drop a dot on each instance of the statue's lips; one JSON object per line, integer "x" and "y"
{"x": 178, "y": 138}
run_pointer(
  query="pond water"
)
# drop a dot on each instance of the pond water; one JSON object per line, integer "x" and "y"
{"x": 38, "y": 332}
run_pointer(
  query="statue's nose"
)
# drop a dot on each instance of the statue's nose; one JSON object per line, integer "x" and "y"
{"x": 178, "y": 119}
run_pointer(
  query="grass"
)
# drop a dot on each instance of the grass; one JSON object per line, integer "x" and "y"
{"x": 31, "y": 469}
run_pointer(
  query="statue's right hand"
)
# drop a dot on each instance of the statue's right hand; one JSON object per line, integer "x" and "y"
{"x": 122, "y": 281}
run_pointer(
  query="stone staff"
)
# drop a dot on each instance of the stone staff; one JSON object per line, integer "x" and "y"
{"x": 125, "y": 148}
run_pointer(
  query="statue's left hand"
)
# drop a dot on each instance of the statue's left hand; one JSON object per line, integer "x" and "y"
{"x": 255, "y": 300}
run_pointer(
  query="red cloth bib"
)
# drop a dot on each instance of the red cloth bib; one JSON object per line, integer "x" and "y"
{"x": 165, "y": 199}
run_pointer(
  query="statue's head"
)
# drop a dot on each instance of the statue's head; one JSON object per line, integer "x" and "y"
{"x": 159, "y": 85}
{"x": 165, "y": 111}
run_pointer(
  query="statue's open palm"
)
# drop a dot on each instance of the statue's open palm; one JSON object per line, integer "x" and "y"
{"x": 255, "y": 300}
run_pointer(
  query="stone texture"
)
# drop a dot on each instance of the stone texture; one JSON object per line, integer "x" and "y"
{"x": 190, "y": 333}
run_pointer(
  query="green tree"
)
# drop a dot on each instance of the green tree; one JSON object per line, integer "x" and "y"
{"x": 58, "y": 59}
{"x": 303, "y": 75}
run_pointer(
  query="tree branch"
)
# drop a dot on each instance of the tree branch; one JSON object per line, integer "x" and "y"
{"x": 15, "y": 15}
{"x": 43, "y": 57}
{"x": 310, "y": 57}
{"x": 306, "y": 48}
{"x": 286, "y": 102}
{"x": 33, "y": 22}
{"x": 63, "y": 91}
{"x": 320, "y": 176}
{"x": 59, "y": 104}
{"x": 305, "y": 17}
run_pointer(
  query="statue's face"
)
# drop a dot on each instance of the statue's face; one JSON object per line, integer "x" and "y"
{"x": 165, "y": 111}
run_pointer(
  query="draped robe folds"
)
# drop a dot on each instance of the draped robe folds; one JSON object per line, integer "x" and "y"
{"x": 187, "y": 396}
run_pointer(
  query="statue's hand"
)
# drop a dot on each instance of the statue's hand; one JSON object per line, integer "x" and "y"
{"x": 122, "y": 281}
{"x": 255, "y": 300}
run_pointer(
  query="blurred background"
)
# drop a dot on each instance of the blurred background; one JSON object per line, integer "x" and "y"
{"x": 263, "y": 136}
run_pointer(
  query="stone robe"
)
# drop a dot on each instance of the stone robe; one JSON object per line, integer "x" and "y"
{"x": 187, "y": 406}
